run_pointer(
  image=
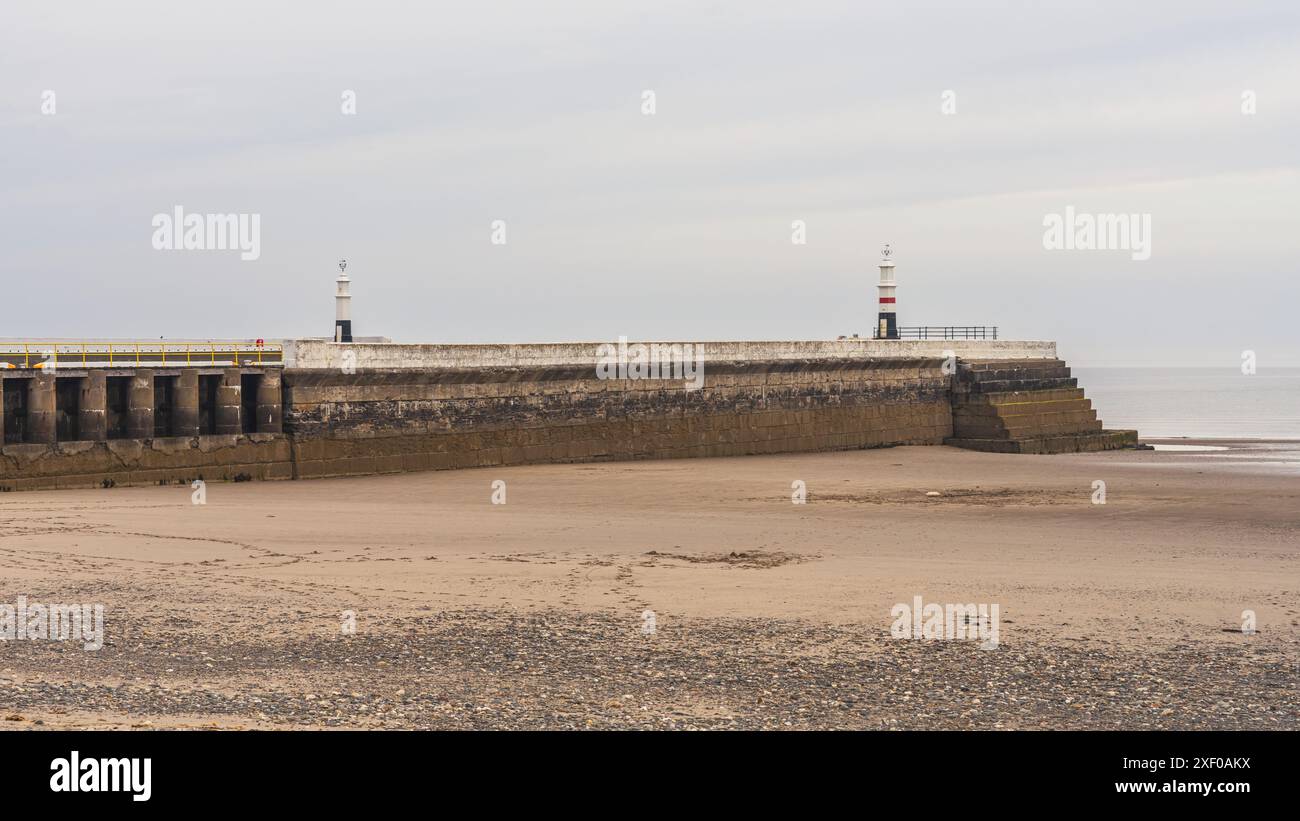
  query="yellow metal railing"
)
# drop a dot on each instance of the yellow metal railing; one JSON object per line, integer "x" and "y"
{"x": 39, "y": 355}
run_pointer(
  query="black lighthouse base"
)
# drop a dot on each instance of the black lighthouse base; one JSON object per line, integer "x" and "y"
{"x": 886, "y": 326}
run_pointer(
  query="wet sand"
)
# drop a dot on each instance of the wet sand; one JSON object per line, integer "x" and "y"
{"x": 766, "y": 613}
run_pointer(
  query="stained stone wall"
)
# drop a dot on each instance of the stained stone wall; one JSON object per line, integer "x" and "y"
{"x": 381, "y": 421}
{"x": 174, "y": 460}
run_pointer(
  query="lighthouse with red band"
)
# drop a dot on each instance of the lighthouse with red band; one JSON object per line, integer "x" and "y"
{"x": 887, "y": 321}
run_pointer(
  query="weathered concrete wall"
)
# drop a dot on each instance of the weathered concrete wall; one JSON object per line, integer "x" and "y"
{"x": 312, "y": 353}
{"x": 379, "y": 421}
{"x": 144, "y": 462}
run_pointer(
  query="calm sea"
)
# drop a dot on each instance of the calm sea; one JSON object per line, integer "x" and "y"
{"x": 1219, "y": 403}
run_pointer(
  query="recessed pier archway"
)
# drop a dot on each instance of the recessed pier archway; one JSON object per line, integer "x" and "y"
{"x": 117, "y": 392}
{"x": 15, "y": 410}
{"x": 67, "y": 404}
{"x": 93, "y": 405}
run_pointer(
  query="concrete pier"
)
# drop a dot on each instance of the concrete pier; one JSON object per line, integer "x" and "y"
{"x": 139, "y": 423}
{"x": 229, "y": 399}
{"x": 94, "y": 398}
{"x": 380, "y": 408}
{"x": 40, "y": 410}
{"x": 185, "y": 404}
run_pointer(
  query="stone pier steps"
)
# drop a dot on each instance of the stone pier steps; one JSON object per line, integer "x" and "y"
{"x": 1026, "y": 406}
{"x": 1010, "y": 376}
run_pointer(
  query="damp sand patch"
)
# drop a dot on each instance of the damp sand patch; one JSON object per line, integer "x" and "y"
{"x": 991, "y": 497}
{"x": 760, "y": 559}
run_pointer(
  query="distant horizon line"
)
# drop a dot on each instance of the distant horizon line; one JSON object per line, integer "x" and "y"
{"x": 1078, "y": 364}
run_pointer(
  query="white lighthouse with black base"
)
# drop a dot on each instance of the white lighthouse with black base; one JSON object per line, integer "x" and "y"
{"x": 343, "y": 305}
{"x": 887, "y": 319}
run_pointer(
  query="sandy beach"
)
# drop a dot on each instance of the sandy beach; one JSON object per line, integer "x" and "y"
{"x": 531, "y": 614}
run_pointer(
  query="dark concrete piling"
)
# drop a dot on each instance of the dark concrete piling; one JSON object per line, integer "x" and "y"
{"x": 185, "y": 404}
{"x": 40, "y": 409}
{"x": 228, "y": 403}
{"x": 94, "y": 399}
{"x": 139, "y": 423}
{"x": 139, "y": 415}
{"x": 269, "y": 410}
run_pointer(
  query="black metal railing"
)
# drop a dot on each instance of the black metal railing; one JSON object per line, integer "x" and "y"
{"x": 945, "y": 332}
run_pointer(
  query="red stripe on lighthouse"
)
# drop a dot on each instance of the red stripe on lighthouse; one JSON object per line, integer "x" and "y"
{"x": 887, "y": 299}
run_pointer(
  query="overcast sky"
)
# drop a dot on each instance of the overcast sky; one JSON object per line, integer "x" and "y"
{"x": 675, "y": 225}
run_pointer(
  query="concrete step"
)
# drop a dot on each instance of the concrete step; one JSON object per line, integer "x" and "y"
{"x": 977, "y": 408}
{"x": 995, "y": 364}
{"x": 1078, "y": 443}
{"x": 1080, "y": 413}
{"x": 1031, "y": 420}
{"x": 1054, "y": 429}
{"x": 1009, "y": 385}
{"x": 1046, "y": 371}
{"x": 986, "y": 445}
{"x": 1082, "y": 443}
{"x": 997, "y": 429}
{"x": 1011, "y": 397}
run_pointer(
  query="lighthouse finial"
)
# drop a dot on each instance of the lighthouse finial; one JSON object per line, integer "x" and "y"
{"x": 886, "y": 252}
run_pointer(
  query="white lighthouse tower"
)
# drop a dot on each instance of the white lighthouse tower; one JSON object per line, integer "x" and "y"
{"x": 343, "y": 305}
{"x": 887, "y": 319}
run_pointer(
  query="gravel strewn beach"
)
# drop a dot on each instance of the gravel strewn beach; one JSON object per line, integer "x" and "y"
{"x": 767, "y": 614}
{"x": 485, "y": 670}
